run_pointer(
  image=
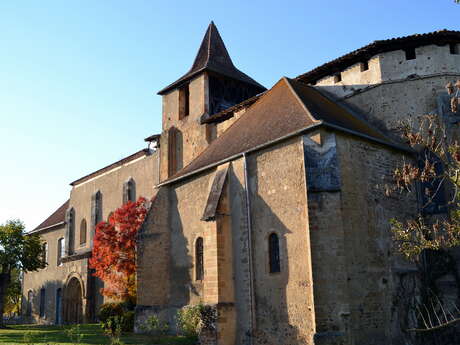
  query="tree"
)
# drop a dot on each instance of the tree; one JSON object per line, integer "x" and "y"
{"x": 427, "y": 238}
{"x": 13, "y": 294}
{"x": 18, "y": 251}
{"x": 114, "y": 250}
{"x": 436, "y": 175}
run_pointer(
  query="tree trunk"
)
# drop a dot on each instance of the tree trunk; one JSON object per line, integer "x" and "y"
{"x": 4, "y": 283}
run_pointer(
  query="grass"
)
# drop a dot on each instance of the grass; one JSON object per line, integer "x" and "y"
{"x": 92, "y": 335}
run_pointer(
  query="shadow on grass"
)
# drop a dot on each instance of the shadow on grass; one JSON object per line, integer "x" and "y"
{"x": 92, "y": 335}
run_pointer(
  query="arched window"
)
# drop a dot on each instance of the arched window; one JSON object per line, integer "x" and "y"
{"x": 42, "y": 302}
{"x": 30, "y": 297}
{"x": 60, "y": 251}
{"x": 175, "y": 156}
{"x": 70, "y": 232}
{"x": 129, "y": 191}
{"x": 274, "y": 253}
{"x": 45, "y": 252}
{"x": 199, "y": 263}
{"x": 83, "y": 232}
{"x": 58, "y": 306}
{"x": 96, "y": 208}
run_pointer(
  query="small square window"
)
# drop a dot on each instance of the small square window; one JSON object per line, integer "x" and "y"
{"x": 410, "y": 53}
{"x": 364, "y": 66}
{"x": 337, "y": 77}
{"x": 453, "y": 47}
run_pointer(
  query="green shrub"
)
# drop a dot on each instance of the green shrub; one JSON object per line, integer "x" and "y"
{"x": 116, "y": 324}
{"x": 154, "y": 326}
{"x": 127, "y": 324}
{"x": 113, "y": 326}
{"x": 110, "y": 309}
{"x": 189, "y": 319}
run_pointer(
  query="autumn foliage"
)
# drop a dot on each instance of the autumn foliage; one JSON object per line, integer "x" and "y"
{"x": 114, "y": 251}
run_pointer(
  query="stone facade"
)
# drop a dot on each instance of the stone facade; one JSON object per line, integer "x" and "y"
{"x": 71, "y": 293}
{"x": 285, "y": 237}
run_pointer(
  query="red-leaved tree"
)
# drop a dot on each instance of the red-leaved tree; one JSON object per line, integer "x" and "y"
{"x": 114, "y": 250}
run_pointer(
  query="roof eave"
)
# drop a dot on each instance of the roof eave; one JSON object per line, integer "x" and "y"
{"x": 285, "y": 137}
{"x": 49, "y": 227}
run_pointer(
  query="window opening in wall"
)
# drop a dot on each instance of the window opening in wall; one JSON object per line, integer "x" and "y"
{"x": 337, "y": 77}
{"x": 364, "y": 66}
{"x": 98, "y": 217}
{"x": 131, "y": 190}
{"x": 96, "y": 211}
{"x": 58, "y": 306}
{"x": 199, "y": 263}
{"x": 45, "y": 252}
{"x": 410, "y": 53}
{"x": 60, "y": 251}
{"x": 83, "y": 232}
{"x": 274, "y": 253}
{"x": 71, "y": 233}
{"x": 30, "y": 296}
{"x": 42, "y": 302}
{"x": 175, "y": 157}
{"x": 453, "y": 47}
{"x": 184, "y": 101}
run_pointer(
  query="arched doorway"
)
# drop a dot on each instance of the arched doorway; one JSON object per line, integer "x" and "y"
{"x": 73, "y": 312}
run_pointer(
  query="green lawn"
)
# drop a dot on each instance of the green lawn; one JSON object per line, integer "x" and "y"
{"x": 92, "y": 335}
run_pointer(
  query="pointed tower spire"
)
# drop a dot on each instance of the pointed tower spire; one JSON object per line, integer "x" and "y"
{"x": 212, "y": 51}
{"x": 212, "y": 56}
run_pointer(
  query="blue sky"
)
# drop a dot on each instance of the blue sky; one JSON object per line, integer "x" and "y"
{"x": 78, "y": 79}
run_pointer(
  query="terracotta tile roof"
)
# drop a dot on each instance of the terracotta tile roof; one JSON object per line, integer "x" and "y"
{"x": 56, "y": 217}
{"x": 363, "y": 54}
{"x": 143, "y": 152}
{"x": 288, "y": 108}
{"x": 212, "y": 56}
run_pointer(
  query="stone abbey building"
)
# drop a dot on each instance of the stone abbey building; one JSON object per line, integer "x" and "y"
{"x": 266, "y": 204}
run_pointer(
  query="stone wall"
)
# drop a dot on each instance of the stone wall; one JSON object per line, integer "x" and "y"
{"x": 144, "y": 172}
{"x": 356, "y": 272}
{"x": 191, "y": 135}
{"x": 430, "y": 60}
{"x": 52, "y": 278}
{"x": 278, "y": 198}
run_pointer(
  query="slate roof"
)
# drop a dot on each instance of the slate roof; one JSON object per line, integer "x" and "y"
{"x": 143, "y": 152}
{"x": 56, "y": 217}
{"x": 212, "y": 56}
{"x": 363, "y": 54}
{"x": 288, "y": 108}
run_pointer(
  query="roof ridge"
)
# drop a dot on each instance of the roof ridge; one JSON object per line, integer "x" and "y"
{"x": 209, "y": 42}
{"x": 297, "y": 97}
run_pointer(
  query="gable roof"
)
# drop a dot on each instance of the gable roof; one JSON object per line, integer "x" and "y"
{"x": 212, "y": 56}
{"x": 56, "y": 218}
{"x": 138, "y": 154}
{"x": 288, "y": 108}
{"x": 363, "y": 54}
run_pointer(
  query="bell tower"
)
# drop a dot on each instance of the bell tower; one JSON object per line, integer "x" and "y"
{"x": 212, "y": 84}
